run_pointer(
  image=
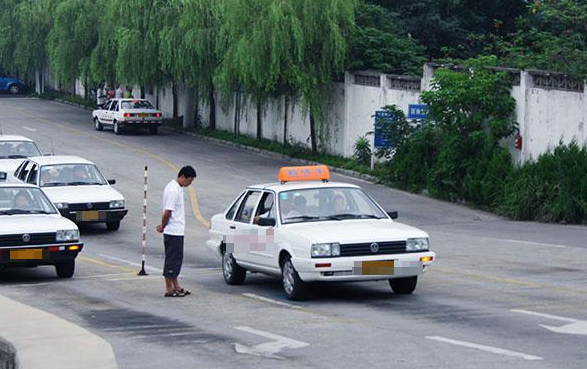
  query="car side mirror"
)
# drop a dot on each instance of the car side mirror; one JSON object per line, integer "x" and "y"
{"x": 266, "y": 222}
{"x": 111, "y": 181}
{"x": 393, "y": 214}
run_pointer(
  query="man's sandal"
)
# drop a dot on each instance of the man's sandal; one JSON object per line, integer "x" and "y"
{"x": 174, "y": 294}
{"x": 185, "y": 292}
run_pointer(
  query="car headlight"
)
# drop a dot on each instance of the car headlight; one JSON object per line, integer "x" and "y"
{"x": 67, "y": 235}
{"x": 61, "y": 205}
{"x": 324, "y": 250}
{"x": 117, "y": 204}
{"x": 417, "y": 244}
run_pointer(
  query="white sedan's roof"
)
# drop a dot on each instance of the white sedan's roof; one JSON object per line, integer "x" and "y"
{"x": 59, "y": 159}
{"x": 14, "y": 138}
{"x": 13, "y": 182}
{"x": 301, "y": 185}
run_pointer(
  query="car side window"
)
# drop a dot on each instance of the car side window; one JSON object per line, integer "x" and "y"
{"x": 245, "y": 212}
{"x": 266, "y": 208}
{"x": 17, "y": 171}
{"x": 114, "y": 106}
{"x": 230, "y": 213}
{"x": 24, "y": 171}
{"x": 107, "y": 106}
{"x": 34, "y": 173}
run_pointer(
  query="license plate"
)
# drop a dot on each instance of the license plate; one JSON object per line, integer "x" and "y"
{"x": 143, "y": 115}
{"x": 375, "y": 267}
{"x": 89, "y": 215}
{"x": 26, "y": 254}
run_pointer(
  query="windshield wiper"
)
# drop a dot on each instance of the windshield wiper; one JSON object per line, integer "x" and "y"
{"x": 38, "y": 212}
{"x": 82, "y": 183}
{"x": 302, "y": 217}
{"x": 53, "y": 184}
{"x": 351, "y": 216}
{"x": 5, "y": 212}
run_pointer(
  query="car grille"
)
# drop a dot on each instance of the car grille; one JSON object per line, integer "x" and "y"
{"x": 35, "y": 239}
{"x": 84, "y": 206}
{"x": 360, "y": 249}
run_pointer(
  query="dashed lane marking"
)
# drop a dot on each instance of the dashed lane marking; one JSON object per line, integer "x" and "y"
{"x": 491, "y": 349}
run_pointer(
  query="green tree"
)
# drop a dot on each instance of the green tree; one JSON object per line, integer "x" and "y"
{"x": 8, "y": 35}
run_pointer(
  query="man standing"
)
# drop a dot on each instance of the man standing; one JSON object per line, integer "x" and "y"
{"x": 173, "y": 228}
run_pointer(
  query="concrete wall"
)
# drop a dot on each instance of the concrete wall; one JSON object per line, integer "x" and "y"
{"x": 550, "y": 107}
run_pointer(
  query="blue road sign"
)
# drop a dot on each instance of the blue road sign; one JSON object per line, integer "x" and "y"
{"x": 417, "y": 111}
{"x": 380, "y": 140}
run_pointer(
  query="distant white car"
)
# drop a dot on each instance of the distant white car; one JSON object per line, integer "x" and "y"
{"x": 76, "y": 187}
{"x": 32, "y": 232}
{"x": 14, "y": 149}
{"x": 306, "y": 229}
{"x": 123, "y": 114}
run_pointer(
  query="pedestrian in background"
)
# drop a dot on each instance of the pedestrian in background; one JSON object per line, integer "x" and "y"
{"x": 128, "y": 94}
{"x": 118, "y": 93}
{"x": 173, "y": 228}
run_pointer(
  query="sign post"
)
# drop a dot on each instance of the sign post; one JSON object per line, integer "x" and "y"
{"x": 144, "y": 243}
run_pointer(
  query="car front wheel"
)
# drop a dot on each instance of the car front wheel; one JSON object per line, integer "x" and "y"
{"x": 65, "y": 269}
{"x": 233, "y": 273}
{"x": 293, "y": 286}
{"x": 14, "y": 89}
{"x": 403, "y": 286}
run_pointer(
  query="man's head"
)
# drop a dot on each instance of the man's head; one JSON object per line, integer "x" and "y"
{"x": 21, "y": 201}
{"x": 186, "y": 176}
{"x": 80, "y": 173}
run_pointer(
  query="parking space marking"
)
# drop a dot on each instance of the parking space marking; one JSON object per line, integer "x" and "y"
{"x": 268, "y": 349}
{"x": 491, "y": 349}
{"x": 29, "y": 129}
{"x": 271, "y": 301}
{"x": 104, "y": 264}
{"x": 553, "y": 245}
{"x": 153, "y": 269}
{"x": 542, "y": 315}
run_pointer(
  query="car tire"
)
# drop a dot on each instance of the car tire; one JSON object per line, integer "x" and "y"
{"x": 403, "y": 286}
{"x": 65, "y": 269}
{"x": 14, "y": 89}
{"x": 153, "y": 130}
{"x": 113, "y": 226}
{"x": 98, "y": 125}
{"x": 117, "y": 129}
{"x": 233, "y": 273}
{"x": 293, "y": 286}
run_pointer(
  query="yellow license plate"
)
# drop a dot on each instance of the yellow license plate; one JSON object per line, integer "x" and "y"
{"x": 377, "y": 267}
{"x": 90, "y": 215}
{"x": 26, "y": 254}
{"x": 143, "y": 115}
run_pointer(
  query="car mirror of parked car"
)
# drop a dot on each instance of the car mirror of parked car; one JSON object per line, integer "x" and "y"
{"x": 112, "y": 181}
{"x": 266, "y": 222}
{"x": 393, "y": 214}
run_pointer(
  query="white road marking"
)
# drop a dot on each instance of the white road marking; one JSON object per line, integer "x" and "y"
{"x": 268, "y": 349}
{"x": 29, "y": 129}
{"x": 131, "y": 263}
{"x": 491, "y": 349}
{"x": 575, "y": 326}
{"x": 271, "y": 301}
{"x": 510, "y": 240}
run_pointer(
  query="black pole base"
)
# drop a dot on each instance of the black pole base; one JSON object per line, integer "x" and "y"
{"x": 142, "y": 271}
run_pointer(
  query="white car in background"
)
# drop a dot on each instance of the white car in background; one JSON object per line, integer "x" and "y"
{"x": 125, "y": 114}
{"x": 76, "y": 187}
{"x": 32, "y": 232}
{"x": 14, "y": 149}
{"x": 306, "y": 229}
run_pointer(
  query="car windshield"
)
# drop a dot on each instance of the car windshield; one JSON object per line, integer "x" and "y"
{"x": 71, "y": 175}
{"x": 18, "y": 149}
{"x": 24, "y": 200}
{"x": 327, "y": 204}
{"x": 136, "y": 104}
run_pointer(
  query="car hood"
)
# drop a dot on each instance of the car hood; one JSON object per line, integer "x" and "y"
{"x": 37, "y": 223}
{"x": 10, "y": 165}
{"x": 80, "y": 194}
{"x": 355, "y": 231}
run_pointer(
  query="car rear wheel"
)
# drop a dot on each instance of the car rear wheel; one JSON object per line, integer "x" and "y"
{"x": 293, "y": 286}
{"x": 98, "y": 125}
{"x": 403, "y": 286}
{"x": 117, "y": 128}
{"x": 65, "y": 269}
{"x": 113, "y": 226}
{"x": 14, "y": 89}
{"x": 153, "y": 130}
{"x": 233, "y": 273}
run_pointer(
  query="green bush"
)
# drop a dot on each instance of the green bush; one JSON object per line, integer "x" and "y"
{"x": 362, "y": 150}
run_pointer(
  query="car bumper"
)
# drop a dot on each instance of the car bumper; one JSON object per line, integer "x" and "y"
{"x": 38, "y": 255}
{"x": 94, "y": 216}
{"x": 140, "y": 123}
{"x": 363, "y": 268}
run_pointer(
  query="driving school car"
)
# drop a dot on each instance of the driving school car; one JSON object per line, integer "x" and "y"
{"x": 307, "y": 229}
{"x": 32, "y": 232}
{"x": 121, "y": 114}
{"x": 76, "y": 187}
{"x": 14, "y": 149}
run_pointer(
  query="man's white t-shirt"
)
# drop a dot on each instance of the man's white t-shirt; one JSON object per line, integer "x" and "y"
{"x": 173, "y": 200}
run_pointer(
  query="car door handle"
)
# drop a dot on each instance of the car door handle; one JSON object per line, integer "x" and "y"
{"x": 232, "y": 227}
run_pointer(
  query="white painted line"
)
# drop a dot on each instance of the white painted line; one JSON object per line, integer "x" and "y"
{"x": 493, "y": 350}
{"x": 29, "y": 129}
{"x": 548, "y": 316}
{"x": 130, "y": 263}
{"x": 509, "y": 240}
{"x": 268, "y": 349}
{"x": 271, "y": 301}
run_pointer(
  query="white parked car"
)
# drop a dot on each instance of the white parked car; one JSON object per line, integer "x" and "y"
{"x": 76, "y": 187}
{"x": 32, "y": 232}
{"x": 123, "y": 114}
{"x": 306, "y": 229}
{"x": 14, "y": 149}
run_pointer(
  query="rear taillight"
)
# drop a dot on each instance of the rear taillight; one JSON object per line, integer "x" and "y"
{"x": 158, "y": 115}
{"x": 127, "y": 115}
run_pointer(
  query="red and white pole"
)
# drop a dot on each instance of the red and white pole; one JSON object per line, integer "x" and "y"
{"x": 144, "y": 242}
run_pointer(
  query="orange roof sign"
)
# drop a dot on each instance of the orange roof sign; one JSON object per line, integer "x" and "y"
{"x": 304, "y": 173}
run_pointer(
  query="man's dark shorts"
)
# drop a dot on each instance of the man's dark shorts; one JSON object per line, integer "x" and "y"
{"x": 173, "y": 255}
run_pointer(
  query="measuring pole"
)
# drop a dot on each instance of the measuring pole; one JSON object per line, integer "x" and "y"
{"x": 144, "y": 243}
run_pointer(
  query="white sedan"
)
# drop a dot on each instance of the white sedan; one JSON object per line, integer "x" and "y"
{"x": 14, "y": 149}
{"x": 306, "y": 229}
{"x": 76, "y": 187}
{"x": 122, "y": 114}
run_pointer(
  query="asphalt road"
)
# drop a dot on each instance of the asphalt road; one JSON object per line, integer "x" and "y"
{"x": 501, "y": 294}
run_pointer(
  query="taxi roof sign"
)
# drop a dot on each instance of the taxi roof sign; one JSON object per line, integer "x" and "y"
{"x": 304, "y": 173}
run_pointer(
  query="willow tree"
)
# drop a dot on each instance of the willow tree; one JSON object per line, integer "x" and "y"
{"x": 188, "y": 46}
{"x": 71, "y": 41}
{"x": 8, "y": 34}
{"x": 261, "y": 50}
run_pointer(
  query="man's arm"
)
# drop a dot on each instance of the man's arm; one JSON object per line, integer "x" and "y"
{"x": 164, "y": 221}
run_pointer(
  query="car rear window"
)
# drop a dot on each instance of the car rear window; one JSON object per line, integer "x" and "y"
{"x": 136, "y": 104}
